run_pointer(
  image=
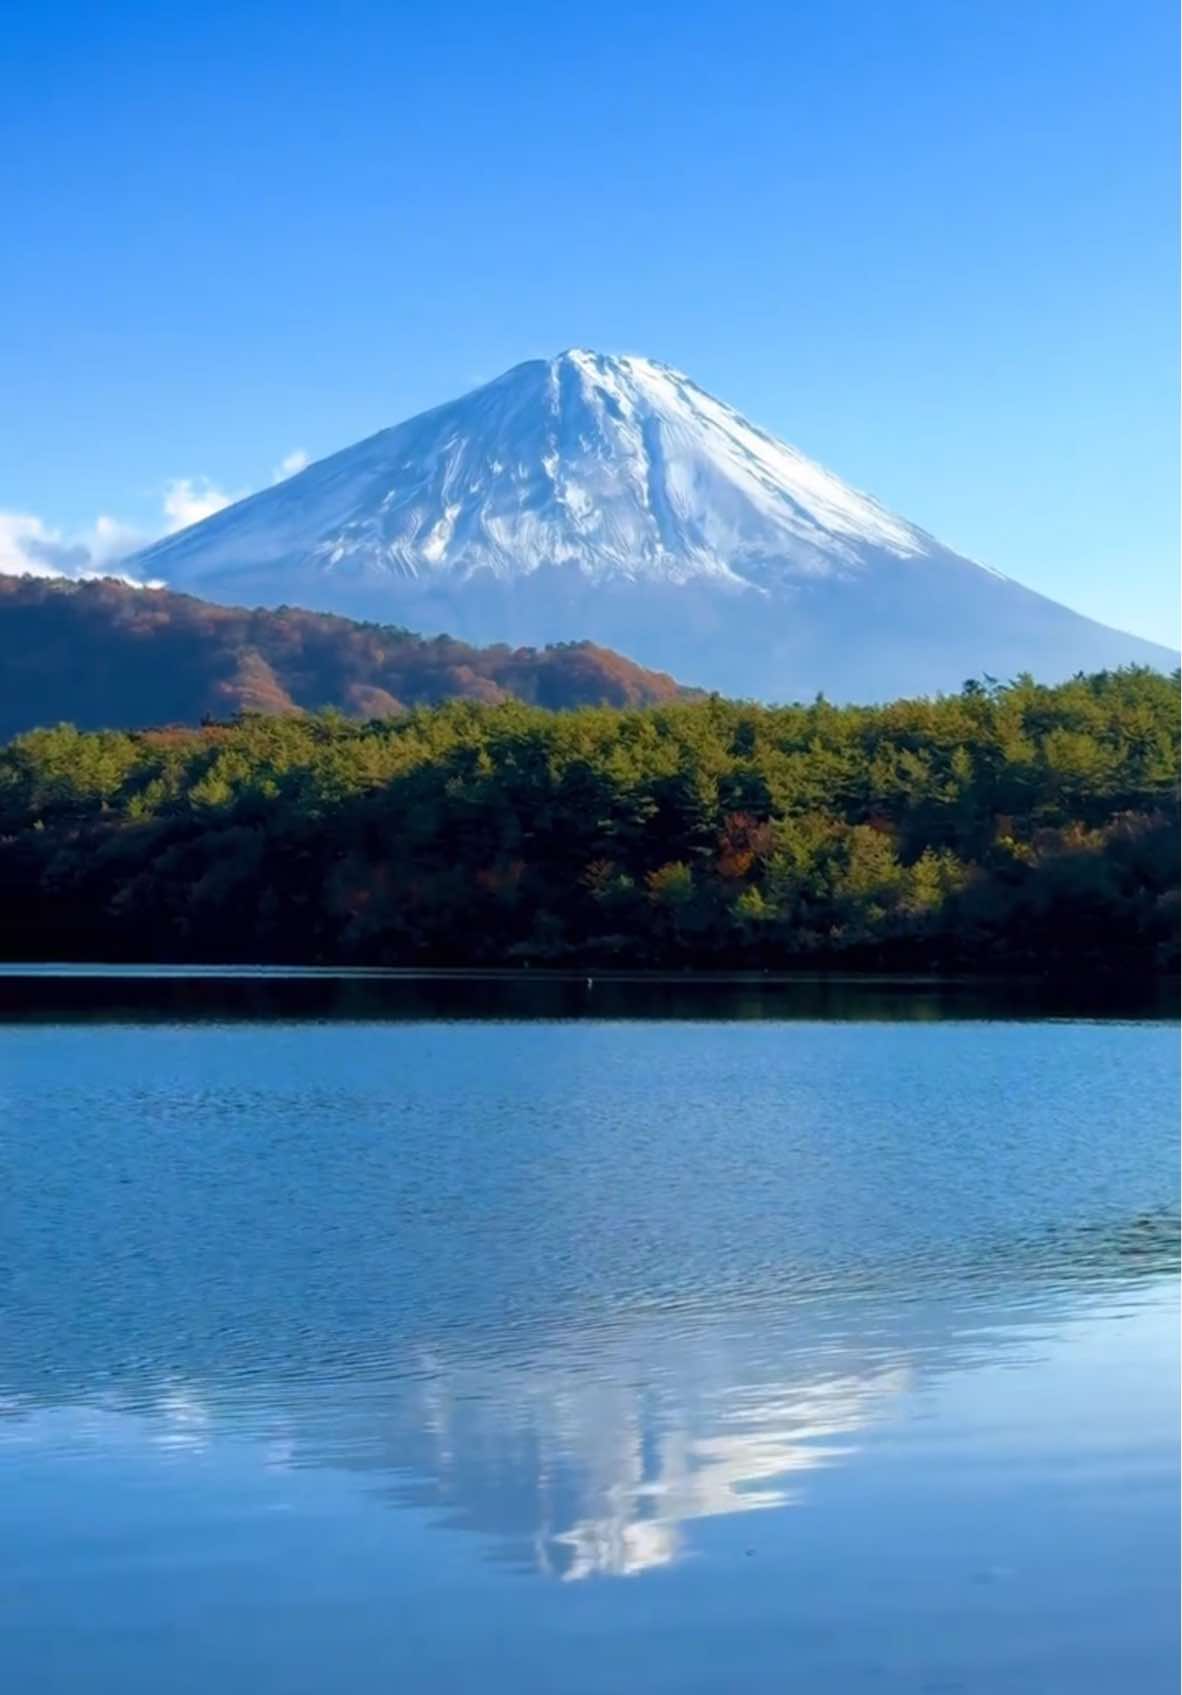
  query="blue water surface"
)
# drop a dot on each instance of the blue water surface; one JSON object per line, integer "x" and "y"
{"x": 679, "y": 1340}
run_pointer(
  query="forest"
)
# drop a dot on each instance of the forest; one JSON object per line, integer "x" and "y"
{"x": 1009, "y": 827}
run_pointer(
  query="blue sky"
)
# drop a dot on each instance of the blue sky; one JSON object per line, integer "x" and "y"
{"x": 933, "y": 245}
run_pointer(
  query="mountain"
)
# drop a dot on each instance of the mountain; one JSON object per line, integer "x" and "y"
{"x": 612, "y": 500}
{"x": 101, "y": 654}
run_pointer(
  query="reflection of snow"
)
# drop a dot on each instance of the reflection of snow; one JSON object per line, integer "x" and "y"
{"x": 634, "y": 1508}
{"x": 593, "y": 1452}
{"x": 596, "y": 1467}
{"x": 185, "y": 1419}
{"x": 174, "y": 1416}
{"x": 616, "y": 1548}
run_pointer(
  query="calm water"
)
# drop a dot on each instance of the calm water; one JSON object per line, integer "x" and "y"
{"x": 383, "y": 1336}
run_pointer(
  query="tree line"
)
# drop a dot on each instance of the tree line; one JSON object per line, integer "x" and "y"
{"x": 1008, "y": 827}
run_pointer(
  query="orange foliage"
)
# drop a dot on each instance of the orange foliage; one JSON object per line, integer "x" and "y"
{"x": 742, "y": 840}
{"x": 102, "y": 654}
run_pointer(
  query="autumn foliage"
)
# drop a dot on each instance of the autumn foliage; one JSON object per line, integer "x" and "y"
{"x": 105, "y": 655}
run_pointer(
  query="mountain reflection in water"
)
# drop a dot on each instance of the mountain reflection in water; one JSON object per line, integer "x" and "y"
{"x": 592, "y": 1454}
{"x": 840, "y": 1321}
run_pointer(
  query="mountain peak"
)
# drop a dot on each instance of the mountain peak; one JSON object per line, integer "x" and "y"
{"x": 610, "y": 465}
{"x": 608, "y": 364}
{"x": 596, "y": 370}
{"x": 608, "y": 497}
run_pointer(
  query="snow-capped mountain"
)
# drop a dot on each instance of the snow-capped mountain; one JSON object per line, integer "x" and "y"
{"x": 611, "y": 499}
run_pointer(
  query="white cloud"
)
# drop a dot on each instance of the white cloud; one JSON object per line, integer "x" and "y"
{"x": 109, "y": 539}
{"x": 189, "y": 499}
{"x": 297, "y": 460}
{"x": 31, "y": 547}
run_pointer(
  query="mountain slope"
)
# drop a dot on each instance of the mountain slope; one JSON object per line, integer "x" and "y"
{"x": 101, "y": 654}
{"x": 611, "y": 499}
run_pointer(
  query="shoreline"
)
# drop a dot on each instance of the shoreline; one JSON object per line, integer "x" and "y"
{"x": 203, "y": 970}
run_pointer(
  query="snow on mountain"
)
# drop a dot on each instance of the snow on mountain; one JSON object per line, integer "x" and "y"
{"x": 611, "y": 499}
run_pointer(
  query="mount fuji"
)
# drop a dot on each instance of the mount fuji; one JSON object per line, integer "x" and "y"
{"x": 613, "y": 500}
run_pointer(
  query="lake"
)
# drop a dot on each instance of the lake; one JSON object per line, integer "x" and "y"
{"x": 381, "y": 1334}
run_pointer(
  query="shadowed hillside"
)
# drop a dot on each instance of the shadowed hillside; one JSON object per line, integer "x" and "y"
{"x": 102, "y": 655}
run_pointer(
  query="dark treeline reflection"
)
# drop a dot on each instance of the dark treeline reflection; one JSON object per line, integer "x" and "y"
{"x": 151, "y": 995}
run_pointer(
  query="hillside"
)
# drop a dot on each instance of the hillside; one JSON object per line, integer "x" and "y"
{"x": 102, "y": 654}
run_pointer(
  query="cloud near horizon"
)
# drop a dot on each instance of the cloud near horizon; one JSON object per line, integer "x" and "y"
{"x": 30, "y": 547}
{"x": 294, "y": 462}
{"x": 187, "y": 500}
